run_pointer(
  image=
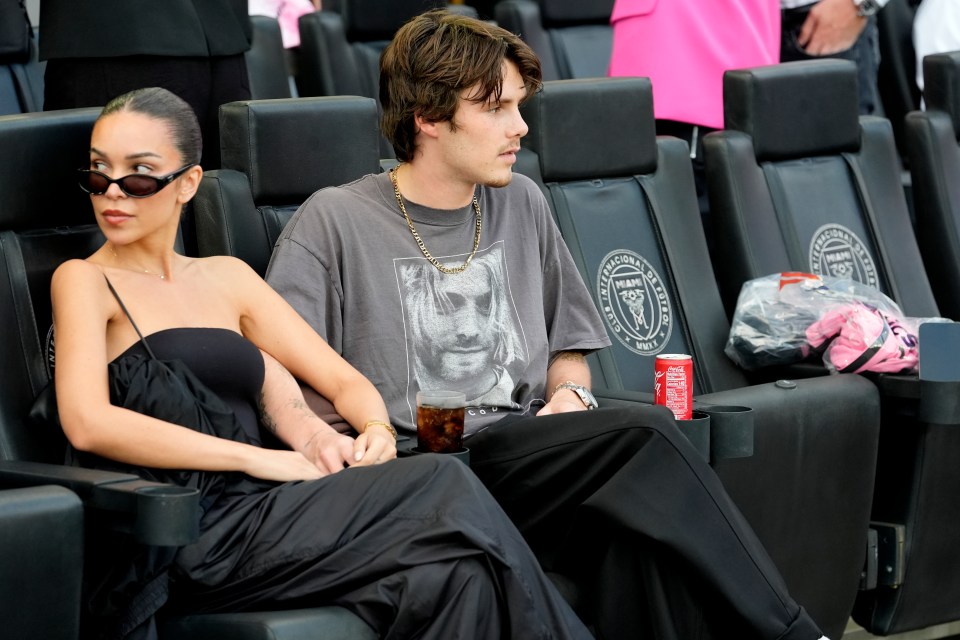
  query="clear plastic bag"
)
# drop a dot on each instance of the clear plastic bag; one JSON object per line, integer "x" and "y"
{"x": 785, "y": 318}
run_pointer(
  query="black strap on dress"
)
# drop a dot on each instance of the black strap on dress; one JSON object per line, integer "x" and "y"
{"x": 116, "y": 295}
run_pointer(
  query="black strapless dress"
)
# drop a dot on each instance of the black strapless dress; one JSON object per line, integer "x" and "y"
{"x": 416, "y": 547}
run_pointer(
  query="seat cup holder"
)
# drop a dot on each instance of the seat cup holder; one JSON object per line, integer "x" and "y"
{"x": 731, "y": 431}
{"x": 159, "y": 506}
{"x": 697, "y": 431}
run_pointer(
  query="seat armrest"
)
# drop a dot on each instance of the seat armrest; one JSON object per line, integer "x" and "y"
{"x": 327, "y": 622}
{"x": 42, "y": 559}
{"x": 619, "y": 398}
{"x": 936, "y": 401}
{"x": 896, "y": 386}
{"x": 155, "y": 513}
{"x": 722, "y": 429}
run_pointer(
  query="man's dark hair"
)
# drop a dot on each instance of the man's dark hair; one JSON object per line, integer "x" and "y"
{"x": 435, "y": 57}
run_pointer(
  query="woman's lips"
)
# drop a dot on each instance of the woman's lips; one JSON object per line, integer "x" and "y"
{"x": 112, "y": 216}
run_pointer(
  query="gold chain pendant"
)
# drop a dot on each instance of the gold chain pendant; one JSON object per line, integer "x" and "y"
{"x": 416, "y": 236}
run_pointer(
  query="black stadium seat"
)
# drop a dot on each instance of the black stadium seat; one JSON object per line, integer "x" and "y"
{"x": 897, "y": 75}
{"x": 21, "y": 72}
{"x": 798, "y": 181}
{"x": 41, "y": 552}
{"x": 626, "y": 205}
{"x": 340, "y": 50}
{"x": 44, "y": 220}
{"x": 266, "y": 61}
{"x": 275, "y": 154}
{"x": 572, "y": 38}
{"x": 933, "y": 146}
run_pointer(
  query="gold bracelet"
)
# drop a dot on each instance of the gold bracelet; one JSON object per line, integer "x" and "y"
{"x": 380, "y": 423}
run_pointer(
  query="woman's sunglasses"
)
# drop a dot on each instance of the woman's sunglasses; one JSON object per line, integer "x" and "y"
{"x": 135, "y": 185}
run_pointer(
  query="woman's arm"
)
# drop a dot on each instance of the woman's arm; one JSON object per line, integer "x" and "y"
{"x": 273, "y": 325}
{"x": 82, "y": 309}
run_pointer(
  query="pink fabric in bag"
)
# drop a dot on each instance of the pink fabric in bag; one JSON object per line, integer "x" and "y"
{"x": 864, "y": 339}
{"x": 684, "y": 46}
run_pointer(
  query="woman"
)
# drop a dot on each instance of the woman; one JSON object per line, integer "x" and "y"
{"x": 415, "y": 547}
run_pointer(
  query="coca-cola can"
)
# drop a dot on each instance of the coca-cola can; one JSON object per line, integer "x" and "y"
{"x": 673, "y": 384}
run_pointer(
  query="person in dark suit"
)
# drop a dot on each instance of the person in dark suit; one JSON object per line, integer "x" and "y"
{"x": 98, "y": 49}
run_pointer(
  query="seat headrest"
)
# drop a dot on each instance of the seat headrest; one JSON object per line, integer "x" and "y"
{"x": 593, "y": 128}
{"x": 941, "y": 84}
{"x": 795, "y": 109}
{"x": 38, "y": 169}
{"x": 15, "y": 37}
{"x": 372, "y": 20}
{"x": 558, "y": 13}
{"x": 290, "y": 147}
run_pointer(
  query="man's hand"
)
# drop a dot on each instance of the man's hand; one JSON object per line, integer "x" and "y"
{"x": 329, "y": 451}
{"x": 563, "y": 401}
{"x": 831, "y": 26}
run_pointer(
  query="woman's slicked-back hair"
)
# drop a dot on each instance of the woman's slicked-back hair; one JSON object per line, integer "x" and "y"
{"x": 164, "y": 105}
{"x": 432, "y": 59}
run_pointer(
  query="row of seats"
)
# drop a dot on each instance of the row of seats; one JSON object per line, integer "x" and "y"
{"x": 241, "y": 209}
{"x": 646, "y": 189}
{"x": 625, "y": 202}
{"x": 797, "y": 186}
{"x": 816, "y": 440}
{"x": 266, "y": 139}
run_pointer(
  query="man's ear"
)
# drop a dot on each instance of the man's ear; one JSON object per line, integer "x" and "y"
{"x": 426, "y": 127}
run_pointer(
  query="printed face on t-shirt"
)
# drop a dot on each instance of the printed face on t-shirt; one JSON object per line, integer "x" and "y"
{"x": 461, "y": 326}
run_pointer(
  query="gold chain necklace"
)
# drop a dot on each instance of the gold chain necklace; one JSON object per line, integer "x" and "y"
{"x": 116, "y": 259}
{"x": 416, "y": 236}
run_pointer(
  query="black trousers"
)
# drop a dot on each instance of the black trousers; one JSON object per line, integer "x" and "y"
{"x": 204, "y": 83}
{"x": 620, "y": 501}
{"x": 417, "y": 548}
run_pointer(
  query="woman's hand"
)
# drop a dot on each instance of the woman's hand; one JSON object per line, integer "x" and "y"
{"x": 375, "y": 445}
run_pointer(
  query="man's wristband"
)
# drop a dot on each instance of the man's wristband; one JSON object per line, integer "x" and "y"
{"x": 586, "y": 397}
{"x": 380, "y": 423}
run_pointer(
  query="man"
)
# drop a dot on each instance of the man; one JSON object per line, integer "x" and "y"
{"x": 590, "y": 490}
{"x": 839, "y": 29}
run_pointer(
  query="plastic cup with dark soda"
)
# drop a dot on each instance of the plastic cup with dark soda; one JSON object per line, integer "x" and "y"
{"x": 440, "y": 416}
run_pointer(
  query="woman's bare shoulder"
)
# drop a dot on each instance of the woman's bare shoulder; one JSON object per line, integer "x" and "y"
{"x": 75, "y": 272}
{"x": 224, "y": 265}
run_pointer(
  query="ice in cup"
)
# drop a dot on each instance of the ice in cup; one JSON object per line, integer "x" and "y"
{"x": 440, "y": 416}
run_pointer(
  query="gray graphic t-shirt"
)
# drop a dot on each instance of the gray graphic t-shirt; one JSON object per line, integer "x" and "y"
{"x": 350, "y": 266}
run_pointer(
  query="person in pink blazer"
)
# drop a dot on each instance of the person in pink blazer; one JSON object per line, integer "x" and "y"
{"x": 684, "y": 48}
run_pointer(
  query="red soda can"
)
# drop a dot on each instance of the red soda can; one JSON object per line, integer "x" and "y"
{"x": 673, "y": 384}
